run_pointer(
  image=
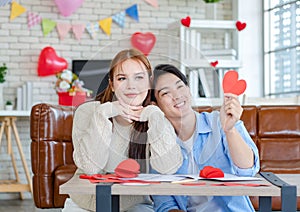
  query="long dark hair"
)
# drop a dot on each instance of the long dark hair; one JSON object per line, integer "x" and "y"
{"x": 138, "y": 137}
{"x": 162, "y": 69}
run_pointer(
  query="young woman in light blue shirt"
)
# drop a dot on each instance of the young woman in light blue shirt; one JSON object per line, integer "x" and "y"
{"x": 217, "y": 139}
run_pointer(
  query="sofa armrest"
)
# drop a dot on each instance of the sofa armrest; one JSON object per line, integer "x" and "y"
{"x": 51, "y": 148}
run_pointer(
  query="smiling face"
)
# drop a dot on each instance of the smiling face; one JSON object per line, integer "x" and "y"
{"x": 131, "y": 82}
{"x": 172, "y": 95}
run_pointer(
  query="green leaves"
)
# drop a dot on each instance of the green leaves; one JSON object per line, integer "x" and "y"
{"x": 3, "y": 72}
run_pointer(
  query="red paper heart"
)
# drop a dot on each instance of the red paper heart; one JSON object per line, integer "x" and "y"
{"x": 143, "y": 41}
{"x": 240, "y": 26}
{"x": 211, "y": 172}
{"x": 49, "y": 63}
{"x": 128, "y": 168}
{"x": 186, "y": 21}
{"x": 231, "y": 84}
{"x": 214, "y": 64}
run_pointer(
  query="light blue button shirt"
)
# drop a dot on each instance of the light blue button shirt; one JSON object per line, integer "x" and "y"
{"x": 211, "y": 148}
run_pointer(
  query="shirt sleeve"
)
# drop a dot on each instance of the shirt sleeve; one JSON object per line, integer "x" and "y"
{"x": 245, "y": 135}
{"x": 91, "y": 135}
{"x": 166, "y": 155}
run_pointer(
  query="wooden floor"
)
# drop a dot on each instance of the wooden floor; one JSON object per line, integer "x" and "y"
{"x": 22, "y": 206}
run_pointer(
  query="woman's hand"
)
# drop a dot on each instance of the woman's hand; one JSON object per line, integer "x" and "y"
{"x": 128, "y": 112}
{"x": 230, "y": 112}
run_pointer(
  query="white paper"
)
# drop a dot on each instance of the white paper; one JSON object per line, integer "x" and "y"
{"x": 179, "y": 177}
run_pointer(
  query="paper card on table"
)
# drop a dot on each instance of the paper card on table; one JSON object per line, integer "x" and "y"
{"x": 227, "y": 177}
{"x": 159, "y": 177}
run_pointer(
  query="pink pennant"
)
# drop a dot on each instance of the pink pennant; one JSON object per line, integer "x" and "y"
{"x": 63, "y": 29}
{"x": 33, "y": 19}
{"x": 152, "y": 3}
{"x": 78, "y": 30}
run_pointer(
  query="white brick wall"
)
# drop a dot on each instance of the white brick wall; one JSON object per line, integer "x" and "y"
{"x": 20, "y": 48}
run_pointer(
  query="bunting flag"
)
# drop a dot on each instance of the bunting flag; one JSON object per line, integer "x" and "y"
{"x": 152, "y": 3}
{"x": 47, "y": 26}
{"x": 4, "y": 2}
{"x": 92, "y": 29}
{"x": 16, "y": 10}
{"x": 133, "y": 12}
{"x": 33, "y": 19}
{"x": 63, "y": 29}
{"x": 119, "y": 18}
{"x": 78, "y": 30}
{"x": 105, "y": 25}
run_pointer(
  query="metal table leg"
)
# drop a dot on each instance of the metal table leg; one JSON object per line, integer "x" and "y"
{"x": 288, "y": 192}
{"x": 105, "y": 202}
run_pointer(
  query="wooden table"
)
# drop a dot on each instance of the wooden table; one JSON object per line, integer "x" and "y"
{"x": 8, "y": 124}
{"x": 107, "y": 194}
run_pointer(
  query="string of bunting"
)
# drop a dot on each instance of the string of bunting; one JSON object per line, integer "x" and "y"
{"x": 64, "y": 28}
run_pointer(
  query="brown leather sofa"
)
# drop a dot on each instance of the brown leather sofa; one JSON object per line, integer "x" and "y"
{"x": 274, "y": 129}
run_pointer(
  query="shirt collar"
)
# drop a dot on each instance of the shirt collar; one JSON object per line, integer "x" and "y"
{"x": 202, "y": 125}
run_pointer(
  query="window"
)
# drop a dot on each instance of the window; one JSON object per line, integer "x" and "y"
{"x": 282, "y": 47}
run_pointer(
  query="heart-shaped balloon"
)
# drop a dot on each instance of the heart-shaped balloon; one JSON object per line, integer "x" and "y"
{"x": 49, "y": 63}
{"x": 143, "y": 42}
{"x": 186, "y": 21}
{"x": 67, "y": 7}
{"x": 240, "y": 26}
{"x": 231, "y": 84}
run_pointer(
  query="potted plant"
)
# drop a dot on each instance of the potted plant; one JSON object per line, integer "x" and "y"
{"x": 3, "y": 73}
{"x": 3, "y": 69}
{"x": 8, "y": 105}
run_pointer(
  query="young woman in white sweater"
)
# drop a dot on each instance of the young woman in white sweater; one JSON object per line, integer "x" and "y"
{"x": 122, "y": 124}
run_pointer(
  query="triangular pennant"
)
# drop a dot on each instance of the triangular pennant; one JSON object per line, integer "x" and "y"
{"x": 33, "y": 19}
{"x": 133, "y": 12}
{"x": 92, "y": 29}
{"x": 152, "y": 3}
{"x": 4, "y": 2}
{"x": 105, "y": 25}
{"x": 63, "y": 29}
{"x": 119, "y": 18}
{"x": 78, "y": 30}
{"x": 47, "y": 26}
{"x": 16, "y": 10}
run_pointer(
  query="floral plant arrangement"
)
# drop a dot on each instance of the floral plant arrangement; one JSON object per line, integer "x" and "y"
{"x": 69, "y": 82}
{"x": 211, "y": 1}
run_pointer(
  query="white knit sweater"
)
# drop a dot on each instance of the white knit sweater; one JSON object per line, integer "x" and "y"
{"x": 100, "y": 145}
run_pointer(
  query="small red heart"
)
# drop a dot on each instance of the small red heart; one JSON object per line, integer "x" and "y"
{"x": 240, "y": 26}
{"x": 128, "y": 168}
{"x": 231, "y": 84}
{"x": 211, "y": 172}
{"x": 186, "y": 21}
{"x": 214, "y": 64}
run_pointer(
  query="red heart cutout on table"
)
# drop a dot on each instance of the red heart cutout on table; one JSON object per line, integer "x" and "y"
{"x": 214, "y": 64}
{"x": 211, "y": 172}
{"x": 240, "y": 26}
{"x": 186, "y": 21}
{"x": 128, "y": 168}
{"x": 49, "y": 63}
{"x": 231, "y": 84}
{"x": 143, "y": 41}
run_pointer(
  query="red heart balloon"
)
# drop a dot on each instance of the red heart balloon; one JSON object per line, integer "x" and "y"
{"x": 186, "y": 21}
{"x": 143, "y": 41}
{"x": 240, "y": 26}
{"x": 231, "y": 84}
{"x": 49, "y": 63}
